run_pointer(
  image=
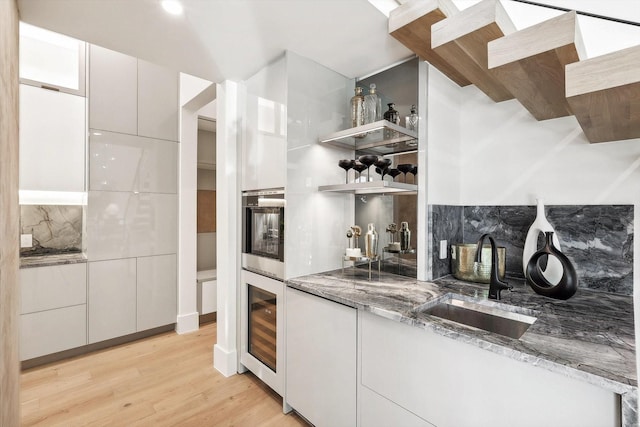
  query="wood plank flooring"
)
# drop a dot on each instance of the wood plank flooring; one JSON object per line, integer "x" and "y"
{"x": 165, "y": 380}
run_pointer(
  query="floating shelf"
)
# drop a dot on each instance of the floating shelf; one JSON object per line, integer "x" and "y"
{"x": 381, "y": 137}
{"x": 398, "y": 252}
{"x": 372, "y": 187}
{"x": 531, "y": 64}
{"x": 462, "y": 41}
{"x": 411, "y": 23}
{"x": 603, "y": 93}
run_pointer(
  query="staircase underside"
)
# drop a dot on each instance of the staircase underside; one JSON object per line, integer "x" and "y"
{"x": 543, "y": 66}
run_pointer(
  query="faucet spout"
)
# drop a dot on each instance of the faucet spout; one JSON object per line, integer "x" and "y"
{"x": 495, "y": 284}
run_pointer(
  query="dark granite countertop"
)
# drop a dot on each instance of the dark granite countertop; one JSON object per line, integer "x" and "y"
{"x": 588, "y": 337}
{"x": 49, "y": 260}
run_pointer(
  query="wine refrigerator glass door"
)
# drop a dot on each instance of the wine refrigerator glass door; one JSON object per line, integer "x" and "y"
{"x": 262, "y": 328}
{"x": 263, "y": 323}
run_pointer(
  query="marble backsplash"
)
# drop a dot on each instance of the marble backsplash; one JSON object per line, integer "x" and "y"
{"x": 598, "y": 239}
{"x": 55, "y": 229}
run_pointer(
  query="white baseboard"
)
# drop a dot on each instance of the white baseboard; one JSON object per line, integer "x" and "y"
{"x": 226, "y": 362}
{"x": 188, "y": 323}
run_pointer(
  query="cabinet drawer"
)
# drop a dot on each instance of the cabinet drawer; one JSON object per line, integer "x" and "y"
{"x": 52, "y": 331}
{"x": 376, "y": 411}
{"x": 450, "y": 383}
{"x": 46, "y": 288}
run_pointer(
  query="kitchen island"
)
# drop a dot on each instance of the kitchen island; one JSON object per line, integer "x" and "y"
{"x": 589, "y": 337}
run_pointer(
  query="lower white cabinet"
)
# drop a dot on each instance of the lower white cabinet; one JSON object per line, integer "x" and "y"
{"x": 51, "y": 331}
{"x": 53, "y": 309}
{"x": 321, "y": 359}
{"x": 377, "y": 411}
{"x": 156, "y": 291}
{"x": 450, "y": 383}
{"x": 112, "y": 299}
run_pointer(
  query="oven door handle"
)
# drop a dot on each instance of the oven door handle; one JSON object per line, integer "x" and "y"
{"x": 271, "y": 203}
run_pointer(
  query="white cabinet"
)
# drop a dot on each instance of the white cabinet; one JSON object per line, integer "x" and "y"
{"x": 377, "y": 411}
{"x": 450, "y": 383}
{"x": 124, "y": 224}
{"x": 131, "y": 96}
{"x": 54, "y": 311}
{"x": 51, "y": 331}
{"x": 157, "y": 101}
{"x": 52, "y": 140}
{"x": 321, "y": 359}
{"x": 264, "y": 142}
{"x": 156, "y": 291}
{"x": 112, "y": 299}
{"x": 113, "y": 98}
{"x": 46, "y": 288}
{"x": 121, "y": 162}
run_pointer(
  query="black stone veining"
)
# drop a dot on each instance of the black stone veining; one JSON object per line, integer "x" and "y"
{"x": 588, "y": 337}
{"x": 598, "y": 239}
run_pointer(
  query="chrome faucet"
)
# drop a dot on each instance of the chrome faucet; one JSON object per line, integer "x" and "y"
{"x": 495, "y": 284}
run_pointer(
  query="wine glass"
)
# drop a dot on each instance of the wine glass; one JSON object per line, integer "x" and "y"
{"x": 346, "y": 164}
{"x": 359, "y": 167}
{"x": 382, "y": 164}
{"x": 382, "y": 172}
{"x": 414, "y": 171}
{"x": 404, "y": 168}
{"x": 368, "y": 160}
{"x": 393, "y": 172}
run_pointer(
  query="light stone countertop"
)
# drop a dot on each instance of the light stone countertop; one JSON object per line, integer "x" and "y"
{"x": 49, "y": 260}
{"x": 589, "y": 337}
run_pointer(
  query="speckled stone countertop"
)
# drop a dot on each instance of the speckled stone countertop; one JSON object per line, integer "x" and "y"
{"x": 588, "y": 337}
{"x": 48, "y": 260}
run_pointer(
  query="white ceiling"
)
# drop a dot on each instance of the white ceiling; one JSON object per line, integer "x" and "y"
{"x": 233, "y": 39}
{"x": 228, "y": 39}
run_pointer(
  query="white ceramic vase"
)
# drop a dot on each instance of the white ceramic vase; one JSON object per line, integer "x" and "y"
{"x": 553, "y": 272}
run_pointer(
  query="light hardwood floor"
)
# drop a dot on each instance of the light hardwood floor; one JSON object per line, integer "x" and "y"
{"x": 165, "y": 380}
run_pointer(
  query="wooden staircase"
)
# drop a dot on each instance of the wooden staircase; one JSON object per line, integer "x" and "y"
{"x": 543, "y": 66}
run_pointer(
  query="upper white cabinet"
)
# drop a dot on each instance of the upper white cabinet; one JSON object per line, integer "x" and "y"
{"x": 52, "y": 140}
{"x": 51, "y": 60}
{"x": 157, "y": 101}
{"x": 131, "y": 96}
{"x": 264, "y": 142}
{"x": 121, "y": 162}
{"x": 113, "y": 83}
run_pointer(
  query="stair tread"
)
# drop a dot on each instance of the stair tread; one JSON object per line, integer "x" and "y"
{"x": 411, "y": 24}
{"x": 531, "y": 64}
{"x": 462, "y": 41}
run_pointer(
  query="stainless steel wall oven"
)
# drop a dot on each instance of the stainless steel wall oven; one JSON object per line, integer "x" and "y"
{"x": 263, "y": 232}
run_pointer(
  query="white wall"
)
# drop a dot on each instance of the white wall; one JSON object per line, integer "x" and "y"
{"x": 506, "y": 157}
{"x": 194, "y": 94}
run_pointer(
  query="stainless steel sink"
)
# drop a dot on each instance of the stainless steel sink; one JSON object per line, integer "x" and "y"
{"x": 486, "y": 317}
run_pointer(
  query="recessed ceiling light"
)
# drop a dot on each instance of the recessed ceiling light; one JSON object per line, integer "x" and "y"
{"x": 173, "y": 7}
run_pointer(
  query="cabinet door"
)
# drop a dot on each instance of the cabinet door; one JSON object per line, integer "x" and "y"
{"x": 320, "y": 359}
{"x": 52, "y": 140}
{"x": 377, "y": 411}
{"x": 51, "y": 331}
{"x": 113, "y": 95}
{"x": 450, "y": 383}
{"x": 112, "y": 299}
{"x": 157, "y": 101}
{"x": 156, "y": 291}
{"x": 121, "y": 162}
{"x": 46, "y": 288}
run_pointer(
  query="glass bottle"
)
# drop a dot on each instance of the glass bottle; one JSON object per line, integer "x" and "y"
{"x": 357, "y": 108}
{"x": 391, "y": 114}
{"x": 411, "y": 121}
{"x": 372, "y": 105}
